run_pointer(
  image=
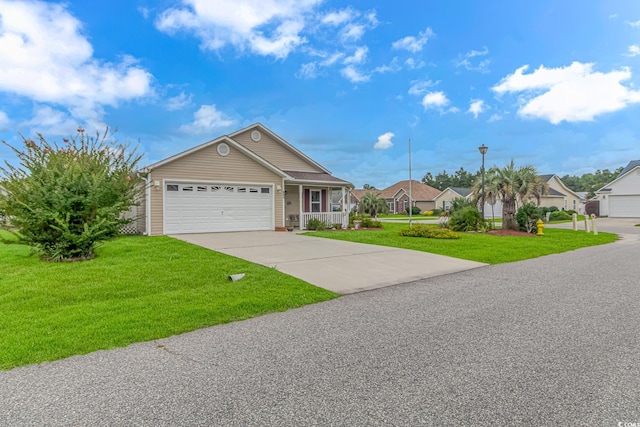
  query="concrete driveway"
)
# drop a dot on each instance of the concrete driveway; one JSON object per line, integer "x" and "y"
{"x": 342, "y": 267}
{"x": 624, "y": 227}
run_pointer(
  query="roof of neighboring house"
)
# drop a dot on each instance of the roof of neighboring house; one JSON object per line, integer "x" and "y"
{"x": 547, "y": 176}
{"x": 419, "y": 190}
{"x": 358, "y": 193}
{"x": 464, "y": 192}
{"x": 555, "y": 193}
{"x": 632, "y": 165}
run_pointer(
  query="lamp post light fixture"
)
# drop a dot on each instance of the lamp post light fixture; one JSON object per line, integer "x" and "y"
{"x": 483, "y": 150}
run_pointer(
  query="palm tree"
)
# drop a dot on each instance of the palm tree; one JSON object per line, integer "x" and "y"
{"x": 373, "y": 204}
{"x": 511, "y": 185}
{"x": 368, "y": 187}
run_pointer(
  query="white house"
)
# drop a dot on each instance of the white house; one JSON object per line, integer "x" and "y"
{"x": 621, "y": 197}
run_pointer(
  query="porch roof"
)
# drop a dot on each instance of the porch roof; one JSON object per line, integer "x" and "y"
{"x": 314, "y": 178}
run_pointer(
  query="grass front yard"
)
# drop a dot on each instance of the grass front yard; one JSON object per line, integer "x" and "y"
{"x": 136, "y": 289}
{"x": 481, "y": 247}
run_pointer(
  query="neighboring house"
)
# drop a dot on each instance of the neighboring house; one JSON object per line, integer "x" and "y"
{"x": 249, "y": 180}
{"x": 397, "y": 196}
{"x": 559, "y": 195}
{"x": 621, "y": 197}
{"x": 444, "y": 199}
{"x": 356, "y": 195}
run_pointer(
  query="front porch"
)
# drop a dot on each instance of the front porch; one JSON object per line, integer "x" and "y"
{"x": 330, "y": 205}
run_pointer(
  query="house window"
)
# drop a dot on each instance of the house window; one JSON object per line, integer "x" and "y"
{"x": 253, "y": 190}
{"x": 390, "y": 204}
{"x": 172, "y": 187}
{"x": 187, "y": 188}
{"x": 201, "y": 188}
{"x": 316, "y": 206}
{"x": 574, "y": 205}
{"x": 406, "y": 204}
{"x": 242, "y": 190}
{"x": 264, "y": 190}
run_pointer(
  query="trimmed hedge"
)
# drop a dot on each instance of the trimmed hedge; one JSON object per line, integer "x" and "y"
{"x": 430, "y": 232}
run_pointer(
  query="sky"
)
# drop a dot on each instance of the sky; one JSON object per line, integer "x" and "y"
{"x": 546, "y": 83}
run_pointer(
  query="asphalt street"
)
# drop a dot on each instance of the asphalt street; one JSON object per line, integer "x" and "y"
{"x": 548, "y": 341}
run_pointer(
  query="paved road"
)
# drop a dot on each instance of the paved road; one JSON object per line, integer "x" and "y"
{"x": 550, "y": 341}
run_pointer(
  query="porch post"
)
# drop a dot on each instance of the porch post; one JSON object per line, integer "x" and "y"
{"x": 301, "y": 207}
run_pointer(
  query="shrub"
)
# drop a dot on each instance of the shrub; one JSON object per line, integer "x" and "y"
{"x": 414, "y": 210}
{"x": 528, "y": 216}
{"x": 428, "y": 213}
{"x": 436, "y": 211}
{"x": 467, "y": 218}
{"x": 571, "y": 212}
{"x": 559, "y": 216}
{"x": 459, "y": 203}
{"x": 66, "y": 199}
{"x": 367, "y": 222}
{"x": 428, "y": 231}
{"x": 315, "y": 224}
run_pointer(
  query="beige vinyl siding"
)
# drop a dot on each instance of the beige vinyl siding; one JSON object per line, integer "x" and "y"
{"x": 275, "y": 153}
{"x": 207, "y": 165}
{"x": 425, "y": 205}
{"x": 292, "y": 196}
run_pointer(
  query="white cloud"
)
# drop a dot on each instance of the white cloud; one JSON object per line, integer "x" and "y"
{"x": 339, "y": 17}
{"x": 435, "y": 100}
{"x": 634, "y": 50}
{"x": 358, "y": 57}
{"x": 420, "y": 87}
{"x": 45, "y": 57}
{"x": 494, "y": 118}
{"x": 206, "y": 119}
{"x": 634, "y": 24}
{"x": 352, "y": 32}
{"x": 412, "y": 43}
{"x": 178, "y": 102}
{"x": 412, "y": 64}
{"x": 574, "y": 93}
{"x": 353, "y": 75}
{"x": 241, "y": 23}
{"x": 307, "y": 71}
{"x": 47, "y": 120}
{"x": 4, "y": 120}
{"x": 476, "y": 106}
{"x": 468, "y": 63}
{"x": 393, "y": 67}
{"x": 384, "y": 141}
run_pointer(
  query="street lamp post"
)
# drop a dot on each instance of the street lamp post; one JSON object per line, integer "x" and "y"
{"x": 483, "y": 150}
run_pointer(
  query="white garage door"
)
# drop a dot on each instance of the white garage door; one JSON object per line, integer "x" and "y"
{"x": 205, "y": 208}
{"x": 624, "y": 206}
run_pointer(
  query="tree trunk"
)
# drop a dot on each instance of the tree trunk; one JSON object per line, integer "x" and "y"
{"x": 508, "y": 215}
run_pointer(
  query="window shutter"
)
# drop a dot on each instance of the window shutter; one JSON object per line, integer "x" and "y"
{"x": 307, "y": 200}
{"x": 324, "y": 200}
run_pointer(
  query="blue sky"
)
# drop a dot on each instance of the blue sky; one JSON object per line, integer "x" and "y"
{"x": 542, "y": 82}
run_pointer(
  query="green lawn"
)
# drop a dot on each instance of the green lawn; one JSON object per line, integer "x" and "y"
{"x": 136, "y": 289}
{"x": 490, "y": 249}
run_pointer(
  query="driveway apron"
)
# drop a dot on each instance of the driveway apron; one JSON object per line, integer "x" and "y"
{"x": 342, "y": 267}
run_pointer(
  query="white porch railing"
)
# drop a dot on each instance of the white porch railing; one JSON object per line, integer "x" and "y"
{"x": 328, "y": 218}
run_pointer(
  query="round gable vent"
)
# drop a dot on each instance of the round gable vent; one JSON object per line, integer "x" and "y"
{"x": 255, "y": 135}
{"x": 223, "y": 149}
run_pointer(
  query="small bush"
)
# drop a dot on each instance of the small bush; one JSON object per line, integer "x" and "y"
{"x": 427, "y": 213}
{"x": 467, "y": 218}
{"x": 429, "y": 232}
{"x": 436, "y": 211}
{"x": 315, "y": 224}
{"x": 459, "y": 203}
{"x": 367, "y": 222}
{"x": 571, "y": 212}
{"x": 528, "y": 216}
{"x": 559, "y": 216}
{"x": 414, "y": 210}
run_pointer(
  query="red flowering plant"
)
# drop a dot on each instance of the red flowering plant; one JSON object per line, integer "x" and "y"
{"x": 66, "y": 199}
